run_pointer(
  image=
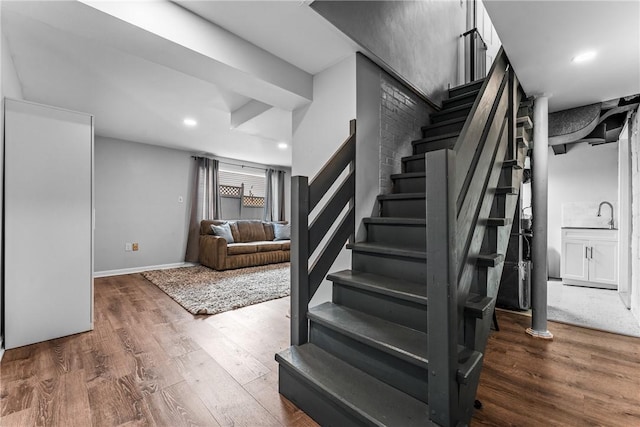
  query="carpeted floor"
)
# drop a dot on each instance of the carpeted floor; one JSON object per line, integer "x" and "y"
{"x": 201, "y": 290}
{"x": 590, "y": 307}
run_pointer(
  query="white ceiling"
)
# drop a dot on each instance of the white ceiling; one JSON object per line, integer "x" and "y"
{"x": 133, "y": 97}
{"x": 541, "y": 37}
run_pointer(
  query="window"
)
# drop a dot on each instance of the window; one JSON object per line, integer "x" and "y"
{"x": 246, "y": 182}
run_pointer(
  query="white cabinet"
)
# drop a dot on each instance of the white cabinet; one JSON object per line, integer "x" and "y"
{"x": 590, "y": 257}
{"x": 48, "y": 223}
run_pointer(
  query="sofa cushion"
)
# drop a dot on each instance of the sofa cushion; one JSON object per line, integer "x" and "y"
{"x": 268, "y": 246}
{"x": 282, "y": 231}
{"x": 205, "y": 227}
{"x": 224, "y": 231}
{"x": 241, "y": 248}
{"x": 268, "y": 231}
{"x": 251, "y": 231}
{"x": 286, "y": 245}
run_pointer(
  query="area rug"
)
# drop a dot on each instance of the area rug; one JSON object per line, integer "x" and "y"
{"x": 201, "y": 290}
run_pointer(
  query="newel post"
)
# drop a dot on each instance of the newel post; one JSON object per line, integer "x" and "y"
{"x": 442, "y": 287}
{"x": 299, "y": 259}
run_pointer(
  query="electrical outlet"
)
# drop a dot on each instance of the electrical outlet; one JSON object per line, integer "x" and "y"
{"x": 127, "y": 247}
{"x": 134, "y": 246}
{"x": 180, "y": 199}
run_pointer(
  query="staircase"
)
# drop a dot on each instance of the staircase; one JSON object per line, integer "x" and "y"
{"x": 402, "y": 341}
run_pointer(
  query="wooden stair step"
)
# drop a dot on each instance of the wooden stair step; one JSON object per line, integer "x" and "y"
{"x": 525, "y": 122}
{"x": 506, "y": 190}
{"x": 512, "y": 163}
{"x": 399, "y": 341}
{"x": 401, "y": 196}
{"x": 379, "y": 249}
{"x": 489, "y": 260}
{"x": 362, "y": 396}
{"x": 499, "y": 222}
{"x": 478, "y": 306}
{"x": 397, "y": 288}
{"x": 463, "y": 98}
{"x": 408, "y": 175}
{"x": 436, "y": 138}
{"x": 394, "y": 221}
{"x": 456, "y": 111}
{"x": 457, "y": 120}
{"x": 466, "y": 88}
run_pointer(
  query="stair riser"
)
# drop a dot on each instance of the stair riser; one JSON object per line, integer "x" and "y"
{"x": 312, "y": 401}
{"x": 411, "y": 208}
{"x": 403, "y": 268}
{"x": 447, "y": 115}
{"x": 386, "y": 307}
{"x": 398, "y": 373}
{"x": 455, "y": 91}
{"x": 407, "y": 236}
{"x": 428, "y": 132}
{"x": 449, "y": 103}
{"x": 409, "y": 185}
{"x": 416, "y": 165}
{"x": 432, "y": 146}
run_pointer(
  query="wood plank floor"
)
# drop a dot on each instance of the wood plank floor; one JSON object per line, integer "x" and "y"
{"x": 149, "y": 362}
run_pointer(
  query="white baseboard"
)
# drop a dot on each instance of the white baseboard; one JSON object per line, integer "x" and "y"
{"x": 133, "y": 270}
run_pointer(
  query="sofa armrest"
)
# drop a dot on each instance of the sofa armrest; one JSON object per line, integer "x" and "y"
{"x": 213, "y": 251}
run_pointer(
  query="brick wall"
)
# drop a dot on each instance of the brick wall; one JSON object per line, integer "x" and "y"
{"x": 402, "y": 113}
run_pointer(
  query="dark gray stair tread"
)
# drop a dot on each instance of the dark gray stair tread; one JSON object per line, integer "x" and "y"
{"x": 362, "y": 395}
{"x": 435, "y": 138}
{"x": 408, "y": 175}
{"x": 413, "y": 157}
{"x": 452, "y": 109}
{"x": 489, "y": 260}
{"x": 404, "y": 343}
{"x": 444, "y": 123}
{"x": 499, "y": 222}
{"x": 477, "y": 82}
{"x": 394, "y": 220}
{"x": 470, "y": 94}
{"x": 385, "y": 249}
{"x": 525, "y": 122}
{"x": 477, "y": 305}
{"x": 506, "y": 190}
{"x": 397, "y": 288}
{"x": 512, "y": 163}
{"x": 402, "y": 196}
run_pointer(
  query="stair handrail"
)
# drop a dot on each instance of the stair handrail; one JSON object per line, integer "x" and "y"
{"x": 476, "y": 55}
{"x": 459, "y": 200}
{"x": 306, "y": 238}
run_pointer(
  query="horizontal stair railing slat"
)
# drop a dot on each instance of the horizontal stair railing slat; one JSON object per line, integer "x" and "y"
{"x": 473, "y": 240}
{"x": 305, "y": 240}
{"x": 468, "y": 212}
{"x": 493, "y": 126}
{"x": 326, "y": 218}
{"x": 465, "y": 146}
{"x": 331, "y": 171}
{"x": 328, "y": 255}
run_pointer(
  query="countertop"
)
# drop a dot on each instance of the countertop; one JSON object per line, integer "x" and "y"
{"x": 588, "y": 228}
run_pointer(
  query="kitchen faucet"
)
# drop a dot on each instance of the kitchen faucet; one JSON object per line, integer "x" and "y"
{"x": 611, "y": 206}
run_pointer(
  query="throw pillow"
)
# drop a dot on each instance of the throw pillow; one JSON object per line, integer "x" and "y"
{"x": 282, "y": 231}
{"x": 224, "y": 231}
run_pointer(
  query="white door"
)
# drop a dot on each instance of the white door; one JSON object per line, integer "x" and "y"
{"x": 603, "y": 262}
{"x": 575, "y": 265}
{"x": 48, "y": 244}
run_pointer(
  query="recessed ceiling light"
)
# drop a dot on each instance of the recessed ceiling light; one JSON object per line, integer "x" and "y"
{"x": 584, "y": 57}
{"x": 282, "y": 145}
{"x": 189, "y": 122}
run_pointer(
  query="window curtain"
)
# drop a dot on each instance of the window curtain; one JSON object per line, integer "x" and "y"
{"x": 267, "y": 214}
{"x": 205, "y": 202}
{"x": 274, "y": 207}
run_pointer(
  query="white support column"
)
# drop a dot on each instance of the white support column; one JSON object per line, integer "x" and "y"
{"x": 540, "y": 189}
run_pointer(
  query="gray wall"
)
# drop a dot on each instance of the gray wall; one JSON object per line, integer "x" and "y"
{"x": 418, "y": 40}
{"x": 137, "y": 190}
{"x": 10, "y": 87}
